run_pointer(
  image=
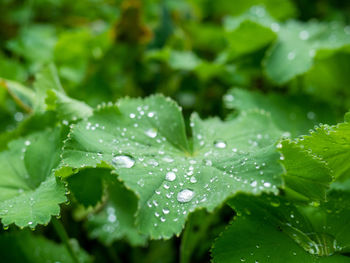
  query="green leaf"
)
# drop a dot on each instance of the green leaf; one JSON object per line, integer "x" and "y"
{"x": 298, "y": 44}
{"x": 306, "y": 176}
{"x": 35, "y": 43}
{"x": 117, "y": 218}
{"x": 295, "y": 114}
{"x": 87, "y": 186}
{"x": 145, "y": 141}
{"x": 269, "y": 228}
{"x": 26, "y": 247}
{"x": 51, "y": 96}
{"x": 280, "y": 9}
{"x": 331, "y": 144}
{"x": 30, "y": 193}
{"x": 183, "y": 60}
{"x": 249, "y": 32}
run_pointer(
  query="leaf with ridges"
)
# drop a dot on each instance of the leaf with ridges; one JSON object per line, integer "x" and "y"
{"x": 145, "y": 141}
{"x": 269, "y": 228}
{"x": 30, "y": 194}
{"x": 306, "y": 177}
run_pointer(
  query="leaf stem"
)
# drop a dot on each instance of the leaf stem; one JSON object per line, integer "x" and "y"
{"x": 17, "y": 100}
{"x": 61, "y": 231}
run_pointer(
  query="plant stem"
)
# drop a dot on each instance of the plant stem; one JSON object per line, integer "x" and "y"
{"x": 60, "y": 230}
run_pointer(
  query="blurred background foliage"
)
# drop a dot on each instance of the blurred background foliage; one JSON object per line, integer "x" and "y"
{"x": 191, "y": 50}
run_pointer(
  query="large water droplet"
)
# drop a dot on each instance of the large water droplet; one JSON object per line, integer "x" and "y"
{"x": 123, "y": 161}
{"x": 185, "y": 196}
{"x": 220, "y": 144}
{"x": 170, "y": 176}
{"x": 152, "y": 133}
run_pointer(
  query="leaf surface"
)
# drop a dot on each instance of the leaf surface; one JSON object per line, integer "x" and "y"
{"x": 145, "y": 142}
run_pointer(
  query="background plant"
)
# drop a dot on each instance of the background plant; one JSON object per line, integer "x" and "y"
{"x": 174, "y": 131}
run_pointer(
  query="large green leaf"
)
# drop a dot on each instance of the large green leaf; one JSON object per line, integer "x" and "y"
{"x": 26, "y": 247}
{"x": 270, "y": 229}
{"x": 295, "y": 115}
{"x": 30, "y": 193}
{"x": 145, "y": 141}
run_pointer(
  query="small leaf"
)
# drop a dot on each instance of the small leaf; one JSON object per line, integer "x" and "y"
{"x": 117, "y": 218}
{"x": 87, "y": 186}
{"x": 331, "y": 144}
{"x": 30, "y": 193}
{"x": 306, "y": 177}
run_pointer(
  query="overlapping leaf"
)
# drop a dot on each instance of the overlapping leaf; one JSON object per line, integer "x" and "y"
{"x": 295, "y": 115}
{"x": 269, "y": 229}
{"x": 117, "y": 218}
{"x": 145, "y": 141}
{"x": 30, "y": 193}
{"x": 296, "y": 47}
{"x": 26, "y": 247}
{"x": 306, "y": 176}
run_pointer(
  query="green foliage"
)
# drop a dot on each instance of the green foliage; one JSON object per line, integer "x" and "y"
{"x": 174, "y": 131}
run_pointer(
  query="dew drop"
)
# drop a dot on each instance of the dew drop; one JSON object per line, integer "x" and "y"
{"x": 165, "y": 211}
{"x": 185, "y": 196}
{"x": 267, "y": 184}
{"x": 152, "y": 133}
{"x": 220, "y": 144}
{"x": 123, "y": 161}
{"x": 304, "y": 35}
{"x": 112, "y": 218}
{"x": 170, "y": 176}
{"x": 291, "y": 55}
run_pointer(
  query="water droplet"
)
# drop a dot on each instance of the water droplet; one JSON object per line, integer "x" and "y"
{"x": 132, "y": 115}
{"x": 275, "y": 27}
{"x": 165, "y": 211}
{"x": 304, "y": 35}
{"x": 220, "y": 144}
{"x": 123, "y": 161}
{"x": 291, "y": 55}
{"x": 267, "y": 184}
{"x": 170, "y": 176}
{"x": 193, "y": 179}
{"x": 185, "y": 196}
{"x": 152, "y": 133}
{"x": 27, "y": 142}
{"x": 229, "y": 97}
{"x": 112, "y": 218}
